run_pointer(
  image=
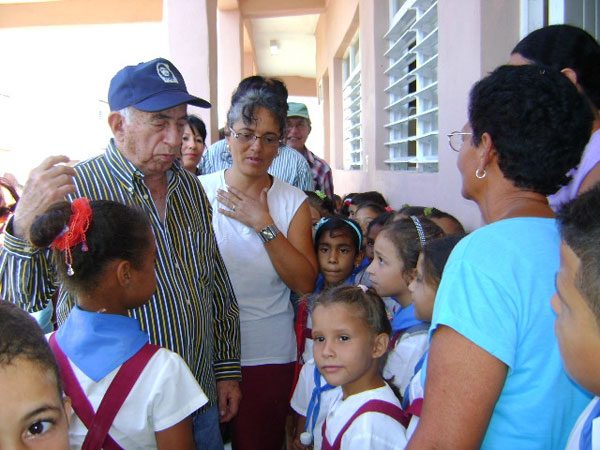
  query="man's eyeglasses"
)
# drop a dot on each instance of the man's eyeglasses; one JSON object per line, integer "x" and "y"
{"x": 456, "y": 139}
{"x": 269, "y": 139}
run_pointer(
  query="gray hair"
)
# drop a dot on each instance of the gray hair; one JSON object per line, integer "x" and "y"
{"x": 245, "y": 105}
{"x": 127, "y": 113}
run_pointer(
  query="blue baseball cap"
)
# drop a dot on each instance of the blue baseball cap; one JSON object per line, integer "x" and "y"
{"x": 150, "y": 86}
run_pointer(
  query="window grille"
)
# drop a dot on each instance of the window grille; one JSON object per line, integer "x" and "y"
{"x": 412, "y": 88}
{"x": 351, "y": 99}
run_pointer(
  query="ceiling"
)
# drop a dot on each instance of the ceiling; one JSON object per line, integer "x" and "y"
{"x": 295, "y": 36}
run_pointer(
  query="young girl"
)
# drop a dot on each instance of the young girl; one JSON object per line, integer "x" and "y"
{"x": 396, "y": 251}
{"x": 338, "y": 242}
{"x": 125, "y": 392}
{"x": 34, "y": 414}
{"x": 365, "y": 213}
{"x": 423, "y": 288}
{"x": 351, "y": 333}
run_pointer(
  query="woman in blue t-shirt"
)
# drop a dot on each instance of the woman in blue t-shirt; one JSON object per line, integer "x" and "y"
{"x": 494, "y": 375}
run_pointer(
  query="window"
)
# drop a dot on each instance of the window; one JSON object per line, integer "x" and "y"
{"x": 580, "y": 13}
{"x": 353, "y": 157}
{"x": 412, "y": 86}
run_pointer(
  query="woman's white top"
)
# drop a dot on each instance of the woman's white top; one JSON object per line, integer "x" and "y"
{"x": 266, "y": 313}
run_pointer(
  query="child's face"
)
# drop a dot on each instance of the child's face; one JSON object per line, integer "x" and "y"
{"x": 364, "y": 216}
{"x": 345, "y": 349}
{"x": 352, "y": 211}
{"x": 337, "y": 256}
{"x": 32, "y": 413}
{"x": 387, "y": 270}
{"x": 371, "y": 235}
{"x": 576, "y": 327}
{"x": 423, "y": 294}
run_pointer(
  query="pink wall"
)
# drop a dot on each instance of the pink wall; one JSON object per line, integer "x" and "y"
{"x": 192, "y": 31}
{"x": 473, "y": 39}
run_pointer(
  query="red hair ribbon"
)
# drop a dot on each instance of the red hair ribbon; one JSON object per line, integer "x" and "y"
{"x": 75, "y": 232}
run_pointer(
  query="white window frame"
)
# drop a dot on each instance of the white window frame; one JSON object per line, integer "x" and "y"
{"x": 412, "y": 94}
{"x": 351, "y": 101}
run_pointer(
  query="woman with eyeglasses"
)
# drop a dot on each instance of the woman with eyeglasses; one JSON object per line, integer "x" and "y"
{"x": 495, "y": 379}
{"x": 263, "y": 229}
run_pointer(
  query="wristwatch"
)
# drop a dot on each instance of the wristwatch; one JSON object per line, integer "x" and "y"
{"x": 268, "y": 233}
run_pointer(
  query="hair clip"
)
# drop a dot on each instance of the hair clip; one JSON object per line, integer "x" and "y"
{"x": 348, "y": 202}
{"x": 420, "y": 231}
{"x": 388, "y": 209}
{"x": 363, "y": 287}
{"x": 427, "y": 211}
{"x": 322, "y": 195}
{"x": 74, "y": 234}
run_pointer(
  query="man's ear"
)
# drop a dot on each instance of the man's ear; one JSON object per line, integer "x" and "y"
{"x": 117, "y": 123}
{"x": 124, "y": 273}
{"x": 380, "y": 346}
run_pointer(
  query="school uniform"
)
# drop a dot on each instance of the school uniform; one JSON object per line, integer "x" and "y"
{"x": 313, "y": 403}
{"x": 412, "y": 398}
{"x": 165, "y": 392}
{"x": 370, "y": 430}
{"x": 409, "y": 343}
{"x": 586, "y": 432}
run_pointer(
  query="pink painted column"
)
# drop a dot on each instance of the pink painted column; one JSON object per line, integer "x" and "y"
{"x": 191, "y": 28}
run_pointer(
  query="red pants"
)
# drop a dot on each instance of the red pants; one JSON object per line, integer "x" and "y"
{"x": 260, "y": 421}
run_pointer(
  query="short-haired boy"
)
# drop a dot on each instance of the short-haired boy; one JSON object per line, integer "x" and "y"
{"x": 577, "y": 305}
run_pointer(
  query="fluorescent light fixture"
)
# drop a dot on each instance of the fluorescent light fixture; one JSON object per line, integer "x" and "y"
{"x": 274, "y": 46}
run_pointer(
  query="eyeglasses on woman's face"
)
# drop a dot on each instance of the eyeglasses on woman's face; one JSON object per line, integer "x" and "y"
{"x": 456, "y": 139}
{"x": 268, "y": 139}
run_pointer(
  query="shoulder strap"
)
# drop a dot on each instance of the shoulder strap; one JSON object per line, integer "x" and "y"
{"x": 115, "y": 396}
{"x": 79, "y": 400}
{"x": 380, "y": 406}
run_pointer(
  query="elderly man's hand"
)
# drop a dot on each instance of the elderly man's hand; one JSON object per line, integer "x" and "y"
{"x": 47, "y": 184}
{"x": 229, "y": 396}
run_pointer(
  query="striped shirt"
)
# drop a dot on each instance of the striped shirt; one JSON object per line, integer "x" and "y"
{"x": 194, "y": 311}
{"x": 289, "y": 165}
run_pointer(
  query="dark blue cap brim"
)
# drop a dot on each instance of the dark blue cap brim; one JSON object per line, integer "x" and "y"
{"x": 169, "y": 99}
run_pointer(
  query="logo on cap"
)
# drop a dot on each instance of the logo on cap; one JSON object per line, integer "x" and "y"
{"x": 164, "y": 72}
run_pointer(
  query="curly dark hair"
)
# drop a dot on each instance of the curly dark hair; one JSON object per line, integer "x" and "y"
{"x": 22, "y": 337}
{"x": 368, "y": 304}
{"x": 566, "y": 46}
{"x": 116, "y": 231}
{"x": 258, "y": 92}
{"x": 538, "y": 122}
{"x": 579, "y": 224}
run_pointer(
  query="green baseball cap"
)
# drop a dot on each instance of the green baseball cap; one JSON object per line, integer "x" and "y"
{"x": 297, "y": 110}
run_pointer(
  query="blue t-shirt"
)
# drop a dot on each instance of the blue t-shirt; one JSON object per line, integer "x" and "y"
{"x": 496, "y": 292}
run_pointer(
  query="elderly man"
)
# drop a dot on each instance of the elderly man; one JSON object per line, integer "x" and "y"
{"x": 194, "y": 311}
{"x": 288, "y": 166}
{"x": 298, "y": 128}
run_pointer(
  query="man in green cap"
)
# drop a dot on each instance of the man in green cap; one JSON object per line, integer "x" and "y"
{"x": 296, "y": 132}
